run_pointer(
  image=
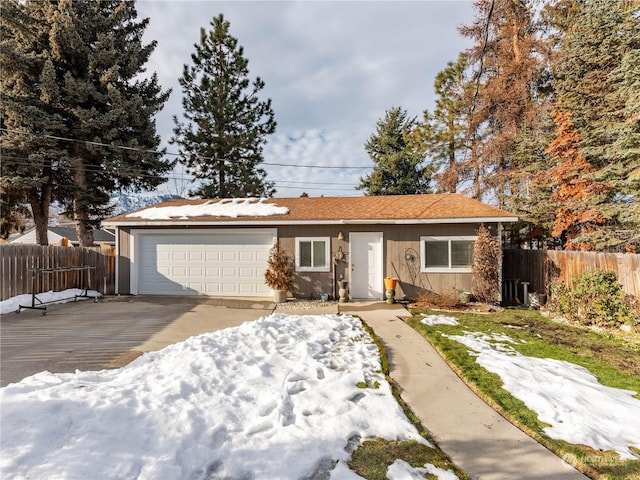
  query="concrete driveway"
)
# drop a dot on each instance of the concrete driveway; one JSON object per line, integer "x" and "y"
{"x": 110, "y": 333}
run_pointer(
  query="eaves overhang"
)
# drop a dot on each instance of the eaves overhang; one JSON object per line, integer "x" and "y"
{"x": 271, "y": 222}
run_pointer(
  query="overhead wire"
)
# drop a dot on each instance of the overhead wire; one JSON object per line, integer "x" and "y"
{"x": 156, "y": 152}
{"x": 23, "y": 161}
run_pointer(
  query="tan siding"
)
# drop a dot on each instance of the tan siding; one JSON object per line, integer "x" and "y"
{"x": 401, "y": 247}
{"x": 312, "y": 284}
{"x": 124, "y": 261}
{"x": 401, "y": 251}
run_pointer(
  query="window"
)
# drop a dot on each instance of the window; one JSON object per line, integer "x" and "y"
{"x": 312, "y": 254}
{"x": 446, "y": 254}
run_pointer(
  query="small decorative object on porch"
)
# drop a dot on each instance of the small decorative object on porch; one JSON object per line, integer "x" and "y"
{"x": 279, "y": 274}
{"x": 390, "y": 283}
{"x": 390, "y": 289}
{"x": 343, "y": 291}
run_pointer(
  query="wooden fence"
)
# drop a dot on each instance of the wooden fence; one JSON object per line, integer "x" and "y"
{"x": 541, "y": 267}
{"x": 18, "y": 262}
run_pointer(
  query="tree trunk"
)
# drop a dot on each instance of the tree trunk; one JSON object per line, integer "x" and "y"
{"x": 80, "y": 215}
{"x": 40, "y": 202}
{"x": 222, "y": 190}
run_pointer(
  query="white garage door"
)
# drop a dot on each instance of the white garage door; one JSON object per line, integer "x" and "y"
{"x": 217, "y": 264}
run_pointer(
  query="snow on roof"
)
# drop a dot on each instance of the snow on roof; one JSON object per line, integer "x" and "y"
{"x": 228, "y": 207}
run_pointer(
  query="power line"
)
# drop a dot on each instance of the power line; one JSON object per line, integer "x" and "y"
{"x": 23, "y": 161}
{"x": 155, "y": 152}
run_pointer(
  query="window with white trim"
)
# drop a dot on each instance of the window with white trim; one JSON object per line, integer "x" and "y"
{"x": 446, "y": 254}
{"x": 312, "y": 254}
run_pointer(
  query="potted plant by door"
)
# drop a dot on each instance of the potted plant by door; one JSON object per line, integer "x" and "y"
{"x": 279, "y": 274}
{"x": 390, "y": 283}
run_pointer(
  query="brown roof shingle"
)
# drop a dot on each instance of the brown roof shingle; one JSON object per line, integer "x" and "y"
{"x": 366, "y": 208}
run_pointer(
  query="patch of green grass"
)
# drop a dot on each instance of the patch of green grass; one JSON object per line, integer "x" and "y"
{"x": 614, "y": 362}
{"x": 372, "y": 459}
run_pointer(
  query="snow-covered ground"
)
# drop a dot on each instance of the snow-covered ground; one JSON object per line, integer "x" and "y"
{"x": 277, "y": 398}
{"x": 438, "y": 320}
{"x": 12, "y": 304}
{"x": 568, "y": 397}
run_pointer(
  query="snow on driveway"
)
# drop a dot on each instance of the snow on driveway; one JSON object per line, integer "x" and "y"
{"x": 276, "y": 398}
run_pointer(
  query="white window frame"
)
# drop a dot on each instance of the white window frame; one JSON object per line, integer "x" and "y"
{"x": 448, "y": 239}
{"x": 327, "y": 250}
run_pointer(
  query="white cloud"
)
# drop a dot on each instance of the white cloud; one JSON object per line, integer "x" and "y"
{"x": 329, "y": 67}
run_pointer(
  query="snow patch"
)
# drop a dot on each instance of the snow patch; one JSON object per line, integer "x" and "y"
{"x": 230, "y": 207}
{"x": 438, "y": 320}
{"x": 568, "y": 397}
{"x": 401, "y": 470}
{"x": 276, "y": 398}
{"x": 12, "y": 304}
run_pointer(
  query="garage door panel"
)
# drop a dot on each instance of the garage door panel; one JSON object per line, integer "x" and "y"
{"x": 229, "y": 256}
{"x": 212, "y": 256}
{"x": 212, "y": 272}
{"x": 203, "y": 264}
{"x": 230, "y": 288}
{"x": 246, "y": 256}
{"x": 246, "y": 272}
{"x": 229, "y": 272}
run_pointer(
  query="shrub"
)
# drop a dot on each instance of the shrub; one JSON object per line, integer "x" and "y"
{"x": 439, "y": 300}
{"x": 279, "y": 274}
{"x": 486, "y": 267}
{"x": 596, "y": 299}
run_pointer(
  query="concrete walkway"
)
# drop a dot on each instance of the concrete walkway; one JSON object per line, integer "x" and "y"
{"x": 477, "y": 439}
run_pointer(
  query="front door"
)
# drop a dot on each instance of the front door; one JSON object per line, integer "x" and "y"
{"x": 366, "y": 265}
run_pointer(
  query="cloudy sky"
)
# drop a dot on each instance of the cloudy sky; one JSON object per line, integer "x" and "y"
{"x": 331, "y": 68}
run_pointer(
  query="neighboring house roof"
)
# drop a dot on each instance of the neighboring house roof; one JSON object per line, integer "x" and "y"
{"x": 57, "y": 233}
{"x": 428, "y": 208}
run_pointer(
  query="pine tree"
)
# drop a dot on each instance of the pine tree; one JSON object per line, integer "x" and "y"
{"x": 507, "y": 67}
{"x": 579, "y": 202}
{"x": 226, "y": 124}
{"x": 595, "y": 81}
{"x": 30, "y": 163}
{"x": 397, "y": 166}
{"x": 442, "y": 134}
{"x": 74, "y": 70}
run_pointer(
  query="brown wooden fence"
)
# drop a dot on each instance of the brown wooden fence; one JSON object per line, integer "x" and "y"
{"x": 540, "y": 267}
{"x": 19, "y": 261}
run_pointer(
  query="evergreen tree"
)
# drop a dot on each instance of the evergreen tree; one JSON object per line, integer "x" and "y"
{"x": 226, "y": 124}
{"x": 595, "y": 81}
{"x": 442, "y": 134}
{"x": 74, "y": 70}
{"x": 397, "y": 166}
{"x": 569, "y": 178}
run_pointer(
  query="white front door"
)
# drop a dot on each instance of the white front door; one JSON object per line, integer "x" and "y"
{"x": 366, "y": 265}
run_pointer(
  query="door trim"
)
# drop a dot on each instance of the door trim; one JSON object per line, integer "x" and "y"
{"x": 379, "y": 274}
